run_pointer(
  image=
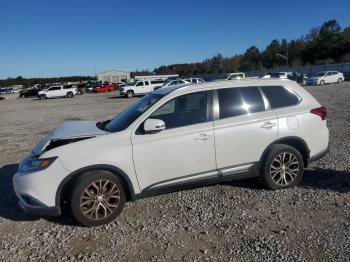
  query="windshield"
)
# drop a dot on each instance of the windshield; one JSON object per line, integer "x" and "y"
{"x": 321, "y": 74}
{"x": 130, "y": 114}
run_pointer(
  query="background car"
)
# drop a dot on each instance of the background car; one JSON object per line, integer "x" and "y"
{"x": 235, "y": 76}
{"x": 90, "y": 87}
{"x": 195, "y": 80}
{"x": 5, "y": 91}
{"x": 29, "y": 92}
{"x": 280, "y": 75}
{"x": 175, "y": 82}
{"x": 300, "y": 78}
{"x": 326, "y": 77}
{"x": 105, "y": 88}
{"x": 58, "y": 91}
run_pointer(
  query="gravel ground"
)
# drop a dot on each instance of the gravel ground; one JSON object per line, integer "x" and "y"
{"x": 231, "y": 221}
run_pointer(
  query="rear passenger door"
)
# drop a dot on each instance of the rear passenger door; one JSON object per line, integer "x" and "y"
{"x": 243, "y": 128}
{"x": 282, "y": 101}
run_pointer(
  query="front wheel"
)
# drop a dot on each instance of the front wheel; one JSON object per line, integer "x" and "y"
{"x": 70, "y": 95}
{"x": 129, "y": 94}
{"x": 283, "y": 167}
{"x": 98, "y": 197}
{"x": 339, "y": 80}
{"x": 322, "y": 82}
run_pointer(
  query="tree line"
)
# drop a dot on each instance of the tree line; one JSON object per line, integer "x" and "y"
{"x": 326, "y": 44}
{"x": 32, "y": 81}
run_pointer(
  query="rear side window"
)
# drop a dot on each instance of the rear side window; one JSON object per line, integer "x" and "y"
{"x": 240, "y": 101}
{"x": 279, "y": 96}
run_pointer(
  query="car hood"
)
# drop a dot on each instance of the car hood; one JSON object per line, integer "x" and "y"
{"x": 69, "y": 132}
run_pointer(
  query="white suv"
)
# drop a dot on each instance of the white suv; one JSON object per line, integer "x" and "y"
{"x": 172, "y": 138}
{"x": 58, "y": 91}
{"x": 326, "y": 77}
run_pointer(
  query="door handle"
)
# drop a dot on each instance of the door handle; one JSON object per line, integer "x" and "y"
{"x": 268, "y": 125}
{"x": 202, "y": 137}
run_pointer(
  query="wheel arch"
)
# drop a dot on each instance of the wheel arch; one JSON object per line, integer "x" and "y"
{"x": 293, "y": 141}
{"x": 65, "y": 187}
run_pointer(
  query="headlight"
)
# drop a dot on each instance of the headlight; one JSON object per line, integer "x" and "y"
{"x": 32, "y": 164}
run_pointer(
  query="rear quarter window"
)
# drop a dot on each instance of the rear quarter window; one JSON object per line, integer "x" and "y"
{"x": 278, "y": 96}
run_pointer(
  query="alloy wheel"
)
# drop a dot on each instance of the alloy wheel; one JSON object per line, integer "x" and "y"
{"x": 284, "y": 169}
{"x": 100, "y": 199}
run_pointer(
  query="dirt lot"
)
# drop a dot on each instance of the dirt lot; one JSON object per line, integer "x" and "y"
{"x": 231, "y": 221}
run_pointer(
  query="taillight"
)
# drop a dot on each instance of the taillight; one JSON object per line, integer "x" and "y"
{"x": 320, "y": 111}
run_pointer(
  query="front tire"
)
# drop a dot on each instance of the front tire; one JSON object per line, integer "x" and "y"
{"x": 283, "y": 167}
{"x": 129, "y": 94}
{"x": 98, "y": 197}
{"x": 322, "y": 82}
{"x": 42, "y": 97}
{"x": 69, "y": 95}
{"x": 339, "y": 80}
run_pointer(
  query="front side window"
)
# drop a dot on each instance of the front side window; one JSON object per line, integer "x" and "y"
{"x": 55, "y": 88}
{"x": 130, "y": 114}
{"x": 139, "y": 84}
{"x": 279, "y": 96}
{"x": 184, "y": 110}
{"x": 240, "y": 101}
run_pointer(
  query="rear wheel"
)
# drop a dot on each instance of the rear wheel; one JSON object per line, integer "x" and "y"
{"x": 283, "y": 167}
{"x": 339, "y": 80}
{"x": 98, "y": 197}
{"x": 130, "y": 94}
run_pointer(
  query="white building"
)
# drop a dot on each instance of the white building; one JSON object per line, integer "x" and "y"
{"x": 113, "y": 76}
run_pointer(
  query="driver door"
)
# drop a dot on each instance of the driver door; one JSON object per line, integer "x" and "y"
{"x": 184, "y": 151}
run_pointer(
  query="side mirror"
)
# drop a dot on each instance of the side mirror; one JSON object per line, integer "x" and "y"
{"x": 154, "y": 125}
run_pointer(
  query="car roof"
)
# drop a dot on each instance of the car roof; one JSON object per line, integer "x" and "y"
{"x": 222, "y": 84}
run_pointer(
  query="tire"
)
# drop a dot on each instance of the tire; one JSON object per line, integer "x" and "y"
{"x": 69, "y": 95}
{"x": 103, "y": 213}
{"x": 42, "y": 97}
{"x": 322, "y": 82}
{"x": 339, "y": 80}
{"x": 280, "y": 176}
{"x": 129, "y": 94}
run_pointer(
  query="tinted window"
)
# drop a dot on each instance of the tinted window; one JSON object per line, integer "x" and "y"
{"x": 157, "y": 82}
{"x": 279, "y": 96}
{"x": 67, "y": 87}
{"x": 55, "y": 88}
{"x": 240, "y": 101}
{"x": 146, "y": 83}
{"x": 139, "y": 84}
{"x": 183, "y": 111}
